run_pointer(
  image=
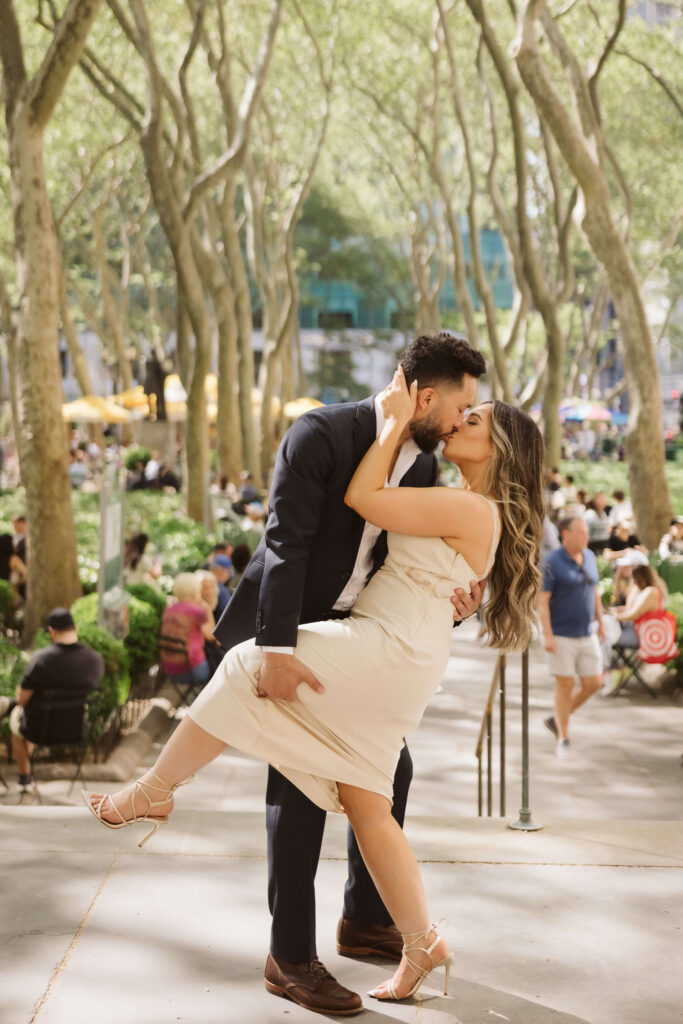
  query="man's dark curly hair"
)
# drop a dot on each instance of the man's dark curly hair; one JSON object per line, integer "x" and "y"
{"x": 441, "y": 359}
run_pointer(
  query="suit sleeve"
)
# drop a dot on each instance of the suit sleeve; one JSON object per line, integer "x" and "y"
{"x": 303, "y": 469}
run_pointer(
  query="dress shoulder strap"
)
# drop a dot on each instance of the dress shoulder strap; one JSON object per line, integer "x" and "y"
{"x": 496, "y": 531}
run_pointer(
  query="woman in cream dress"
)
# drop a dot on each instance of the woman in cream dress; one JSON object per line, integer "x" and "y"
{"x": 379, "y": 667}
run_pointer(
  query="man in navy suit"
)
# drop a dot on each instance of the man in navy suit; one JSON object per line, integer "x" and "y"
{"x": 314, "y": 559}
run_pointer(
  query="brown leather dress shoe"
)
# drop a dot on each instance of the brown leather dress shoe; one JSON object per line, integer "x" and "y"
{"x": 311, "y": 985}
{"x": 357, "y": 938}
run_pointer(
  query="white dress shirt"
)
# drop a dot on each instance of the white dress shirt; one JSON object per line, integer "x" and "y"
{"x": 407, "y": 455}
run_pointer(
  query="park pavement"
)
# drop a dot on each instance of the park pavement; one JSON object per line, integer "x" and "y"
{"x": 579, "y": 922}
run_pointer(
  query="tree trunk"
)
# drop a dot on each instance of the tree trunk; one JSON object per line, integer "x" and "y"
{"x": 645, "y": 433}
{"x": 112, "y": 316}
{"x": 582, "y": 153}
{"x": 245, "y": 329}
{"x": 481, "y": 284}
{"x": 229, "y": 440}
{"x": 178, "y": 235}
{"x": 533, "y": 271}
{"x": 52, "y": 566}
{"x": 80, "y": 363}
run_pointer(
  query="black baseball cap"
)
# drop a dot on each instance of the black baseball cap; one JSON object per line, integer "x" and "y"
{"x": 60, "y": 619}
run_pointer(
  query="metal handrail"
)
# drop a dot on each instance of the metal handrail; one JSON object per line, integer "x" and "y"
{"x": 525, "y": 821}
{"x": 486, "y": 730}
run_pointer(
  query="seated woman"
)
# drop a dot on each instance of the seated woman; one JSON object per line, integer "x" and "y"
{"x": 376, "y": 670}
{"x": 671, "y": 543}
{"x": 188, "y": 619}
{"x": 645, "y": 596}
{"x": 622, "y": 538}
{"x": 624, "y": 550}
{"x": 139, "y": 567}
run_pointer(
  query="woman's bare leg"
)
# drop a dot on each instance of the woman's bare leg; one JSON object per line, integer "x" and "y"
{"x": 394, "y": 870}
{"x": 188, "y": 750}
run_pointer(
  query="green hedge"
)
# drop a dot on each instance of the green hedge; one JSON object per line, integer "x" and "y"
{"x": 12, "y": 664}
{"x": 116, "y": 680}
{"x": 144, "y": 620}
{"x": 6, "y": 603}
{"x": 135, "y": 455}
{"x": 145, "y": 592}
{"x": 182, "y": 544}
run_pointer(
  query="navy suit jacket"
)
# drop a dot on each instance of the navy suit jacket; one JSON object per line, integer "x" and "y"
{"x": 309, "y": 547}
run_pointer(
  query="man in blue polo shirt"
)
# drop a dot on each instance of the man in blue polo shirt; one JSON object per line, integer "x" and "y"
{"x": 569, "y": 603}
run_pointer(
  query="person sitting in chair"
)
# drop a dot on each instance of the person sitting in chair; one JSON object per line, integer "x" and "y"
{"x": 645, "y": 596}
{"x": 187, "y": 623}
{"x": 66, "y": 669}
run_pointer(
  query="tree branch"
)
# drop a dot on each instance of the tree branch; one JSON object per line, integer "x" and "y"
{"x": 85, "y": 180}
{"x": 112, "y": 90}
{"x": 235, "y": 153}
{"x": 669, "y": 313}
{"x": 11, "y": 57}
{"x": 197, "y": 32}
{"x": 659, "y": 79}
{"x": 609, "y": 46}
{"x": 536, "y": 9}
{"x": 549, "y": 103}
{"x": 63, "y": 53}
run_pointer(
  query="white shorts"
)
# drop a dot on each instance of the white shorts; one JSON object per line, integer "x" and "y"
{"x": 576, "y": 656}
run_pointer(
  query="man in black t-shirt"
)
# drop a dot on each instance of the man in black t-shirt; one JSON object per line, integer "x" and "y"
{"x": 68, "y": 670}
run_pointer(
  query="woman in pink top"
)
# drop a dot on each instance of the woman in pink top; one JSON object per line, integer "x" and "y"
{"x": 189, "y": 619}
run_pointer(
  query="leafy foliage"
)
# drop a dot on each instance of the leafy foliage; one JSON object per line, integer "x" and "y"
{"x": 610, "y": 476}
{"x": 140, "y": 643}
{"x": 12, "y": 664}
{"x": 148, "y": 595}
{"x": 6, "y": 602}
{"x": 116, "y": 681}
{"x": 135, "y": 455}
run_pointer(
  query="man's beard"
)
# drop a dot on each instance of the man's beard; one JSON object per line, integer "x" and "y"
{"x": 427, "y": 433}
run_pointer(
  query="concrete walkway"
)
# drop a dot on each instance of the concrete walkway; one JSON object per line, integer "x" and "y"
{"x": 579, "y": 922}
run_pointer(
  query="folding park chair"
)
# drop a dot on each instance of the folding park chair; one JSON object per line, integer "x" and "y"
{"x": 187, "y": 690}
{"x": 64, "y": 724}
{"x": 627, "y": 657}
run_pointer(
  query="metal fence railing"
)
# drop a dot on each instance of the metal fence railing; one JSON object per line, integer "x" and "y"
{"x": 485, "y": 741}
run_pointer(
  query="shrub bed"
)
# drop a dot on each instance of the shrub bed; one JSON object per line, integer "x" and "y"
{"x": 141, "y": 643}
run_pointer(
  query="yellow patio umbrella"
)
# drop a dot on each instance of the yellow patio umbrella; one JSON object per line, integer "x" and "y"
{"x": 132, "y": 398}
{"x": 298, "y": 406}
{"x": 94, "y": 409}
{"x": 173, "y": 389}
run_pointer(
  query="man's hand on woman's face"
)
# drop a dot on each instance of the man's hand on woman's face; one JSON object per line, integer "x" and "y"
{"x": 465, "y": 604}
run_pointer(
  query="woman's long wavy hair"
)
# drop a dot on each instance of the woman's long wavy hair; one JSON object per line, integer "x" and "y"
{"x": 515, "y": 480}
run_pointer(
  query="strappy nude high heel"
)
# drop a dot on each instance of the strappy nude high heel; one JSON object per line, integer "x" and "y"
{"x": 412, "y": 943}
{"x": 139, "y": 790}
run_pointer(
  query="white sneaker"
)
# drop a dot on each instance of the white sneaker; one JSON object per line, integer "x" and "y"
{"x": 562, "y": 748}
